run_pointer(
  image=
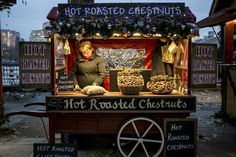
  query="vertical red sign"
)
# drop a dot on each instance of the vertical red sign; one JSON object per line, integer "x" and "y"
{"x": 204, "y": 65}
{"x": 35, "y": 64}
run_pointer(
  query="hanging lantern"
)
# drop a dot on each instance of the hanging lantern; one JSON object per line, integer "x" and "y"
{"x": 140, "y": 23}
{"x": 154, "y": 29}
{"x": 148, "y": 26}
{"x": 98, "y": 25}
{"x": 61, "y": 23}
{"x": 109, "y": 26}
{"x": 94, "y": 24}
{"x": 68, "y": 25}
{"x": 106, "y": 19}
{"x": 83, "y": 31}
{"x": 183, "y": 27}
{"x": 148, "y": 19}
{"x": 125, "y": 32}
{"x": 129, "y": 33}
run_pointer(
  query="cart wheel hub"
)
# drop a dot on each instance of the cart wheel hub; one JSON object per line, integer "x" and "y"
{"x": 140, "y": 140}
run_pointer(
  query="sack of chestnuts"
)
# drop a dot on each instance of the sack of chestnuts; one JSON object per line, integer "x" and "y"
{"x": 161, "y": 84}
{"x": 130, "y": 81}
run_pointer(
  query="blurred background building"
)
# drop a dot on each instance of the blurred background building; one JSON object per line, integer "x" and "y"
{"x": 9, "y": 45}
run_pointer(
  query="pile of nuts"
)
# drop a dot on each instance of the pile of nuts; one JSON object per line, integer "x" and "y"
{"x": 161, "y": 84}
{"x": 130, "y": 81}
{"x": 130, "y": 78}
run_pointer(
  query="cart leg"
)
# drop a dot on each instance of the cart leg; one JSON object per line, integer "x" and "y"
{"x": 51, "y": 138}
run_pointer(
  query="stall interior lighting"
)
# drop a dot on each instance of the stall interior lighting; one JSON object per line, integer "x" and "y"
{"x": 137, "y": 34}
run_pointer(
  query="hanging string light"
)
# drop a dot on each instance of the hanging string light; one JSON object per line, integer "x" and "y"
{"x": 126, "y": 26}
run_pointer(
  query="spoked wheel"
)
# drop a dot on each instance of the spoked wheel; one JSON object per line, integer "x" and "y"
{"x": 140, "y": 136}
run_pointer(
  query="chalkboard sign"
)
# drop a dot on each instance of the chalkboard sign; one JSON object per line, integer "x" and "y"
{"x": 180, "y": 137}
{"x": 55, "y": 150}
{"x": 65, "y": 82}
{"x": 203, "y": 64}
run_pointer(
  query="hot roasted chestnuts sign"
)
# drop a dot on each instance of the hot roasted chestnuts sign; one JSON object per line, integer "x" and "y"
{"x": 180, "y": 137}
{"x": 127, "y": 103}
{"x": 121, "y": 9}
{"x": 35, "y": 64}
{"x": 204, "y": 65}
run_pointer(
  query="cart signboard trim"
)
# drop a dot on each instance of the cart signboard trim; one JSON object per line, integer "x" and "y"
{"x": 128, "y": 103}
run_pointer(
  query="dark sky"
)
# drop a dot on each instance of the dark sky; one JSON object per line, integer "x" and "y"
{"x": 30, "y": 16}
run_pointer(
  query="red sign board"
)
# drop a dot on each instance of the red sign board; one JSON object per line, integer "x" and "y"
{"x": 203, "y": 65}
{"x": 35, "y": 64}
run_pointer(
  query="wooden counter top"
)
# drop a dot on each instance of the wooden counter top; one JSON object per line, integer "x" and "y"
{"x": 119, "y": 94}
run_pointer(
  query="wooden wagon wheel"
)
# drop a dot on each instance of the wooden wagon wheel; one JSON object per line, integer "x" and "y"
{"x": 140, "y": 137}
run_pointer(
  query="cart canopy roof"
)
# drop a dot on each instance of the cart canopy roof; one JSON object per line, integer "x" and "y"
{"x": 125, "y": 19}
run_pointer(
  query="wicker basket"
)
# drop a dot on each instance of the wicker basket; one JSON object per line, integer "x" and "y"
{"x": 130, "y": 84}
{"x": 160, "y": 87}
{"x": 130, "y": 90}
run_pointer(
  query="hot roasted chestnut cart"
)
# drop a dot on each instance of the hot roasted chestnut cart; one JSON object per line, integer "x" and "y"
{"x": 135, "y": 36}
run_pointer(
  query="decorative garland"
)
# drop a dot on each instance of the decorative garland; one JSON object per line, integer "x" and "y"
{"x": 125, "y": 26}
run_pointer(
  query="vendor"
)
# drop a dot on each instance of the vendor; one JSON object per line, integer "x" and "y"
{"x": 89, "y": 68}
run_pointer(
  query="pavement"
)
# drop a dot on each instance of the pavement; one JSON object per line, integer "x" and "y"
{"x": 215, "y": 137}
